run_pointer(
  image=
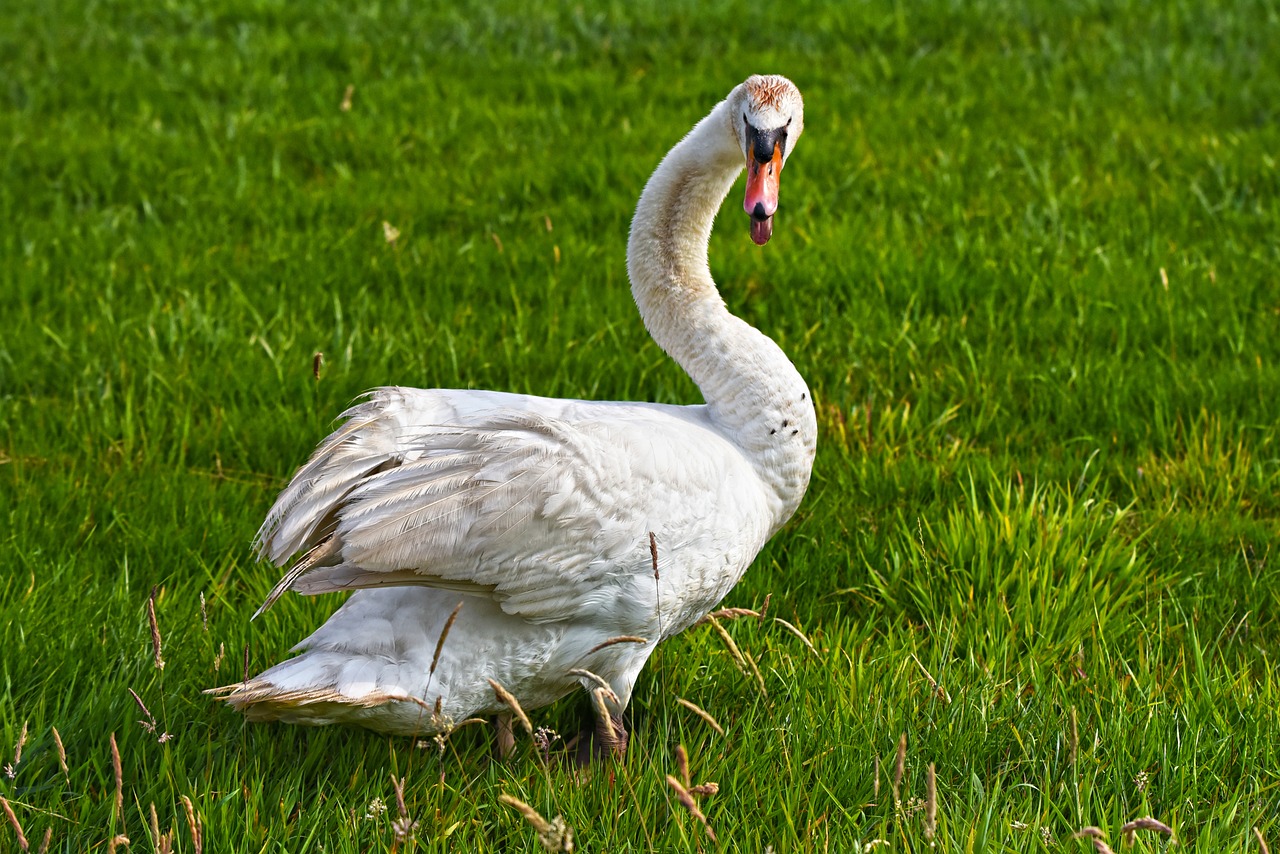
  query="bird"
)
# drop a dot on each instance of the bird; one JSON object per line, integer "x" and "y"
{"x": 502, "y": 546}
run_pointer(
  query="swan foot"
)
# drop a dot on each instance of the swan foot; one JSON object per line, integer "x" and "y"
{"x": 607, "y": 739}
{"x": 504, "y": 740}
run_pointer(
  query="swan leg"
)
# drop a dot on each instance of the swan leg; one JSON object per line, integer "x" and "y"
{"x": 607, "y": 737}
{"x": 612, "y": 735}
{"x": 504, "y": 739}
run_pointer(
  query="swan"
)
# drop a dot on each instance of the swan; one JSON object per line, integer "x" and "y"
{"x": 501, "y": 541}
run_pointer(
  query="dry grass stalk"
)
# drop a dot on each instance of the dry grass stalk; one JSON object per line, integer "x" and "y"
{"x": 531, "y": 815}
{"x": 554, "y": 835}
{"x": 653, "y": 538}
{"x": 1095, "y": 834}
{"x": 700, "y": 712}
{"x": 347, "y": 95}
{"x": 444, "y": 633}
{"x": 795, "y": 631}
{"x": 605, "y": 719}
{"x": 728, "y": 614}
{"x": 764, "y": 692}
{"x": 931, "y": 803}
{"x": 418, "y": 701}
{"x": 1074, "y": 746}
{"x": 403, "y": 826}
{"x": 246, "y": 664}
{"x": 686, "y": 800}
{"x": 1262, "y": 843}
{"x": 686, "y": 779}
{"x": 440, "y": 738}
{"x": 17, "y": 750}
{"x": 468, "y": 722}
{"x": 599, "y": 680}
{"x": 560, "y": 838}
{"x": 728, "y": 641}
{"x": 17, "y": 826}
{"x": 204, "y": 614}
{"x": 317, "y": 362}
{"x": 398, "y": 785}
{"x": 62, "y": 754}
{"x": 938, "y": 691}
{"x": 1148, "y": 823}
{"x": 764, "y": 609}
{"x": 150, "y": 723}
{"x": 44, "y": 844}
{"x": 195, "y": 823}
{"x": 506, "y": 697}
{"x": 155, "y": 629}
{"x": 899, "y": 766}
{"x": 119, "y": 773}
{"x": 617, "y": 640}
{"x": 875, "y": 787}
{"x": 117, "y": 840}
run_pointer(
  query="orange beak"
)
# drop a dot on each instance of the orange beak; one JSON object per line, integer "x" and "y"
{"x": 762, "y": 194}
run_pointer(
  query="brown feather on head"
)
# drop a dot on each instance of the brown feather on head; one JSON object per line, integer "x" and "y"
{"x": 769, "y": 91}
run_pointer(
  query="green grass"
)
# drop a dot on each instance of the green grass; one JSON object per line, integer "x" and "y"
{"x": 1028, "y": 258}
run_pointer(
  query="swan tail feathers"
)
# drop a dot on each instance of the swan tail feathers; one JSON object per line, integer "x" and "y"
{"x": 319, "y": 687}
{"x": 259, "y": 698}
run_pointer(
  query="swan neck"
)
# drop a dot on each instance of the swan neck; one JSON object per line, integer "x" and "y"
{"x": 667, "y": 251}
{"x": 754, "y": 394}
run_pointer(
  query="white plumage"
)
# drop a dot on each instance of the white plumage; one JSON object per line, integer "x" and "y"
{"x": 536, "y": 514}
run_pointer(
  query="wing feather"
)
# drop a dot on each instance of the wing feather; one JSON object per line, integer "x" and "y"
{"x": 527, "y": 500}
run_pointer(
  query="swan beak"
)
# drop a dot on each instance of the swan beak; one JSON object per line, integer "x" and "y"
{"x": 762, "y": 193}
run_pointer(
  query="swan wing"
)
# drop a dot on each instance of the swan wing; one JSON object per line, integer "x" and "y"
{"x": 544, "y": 505}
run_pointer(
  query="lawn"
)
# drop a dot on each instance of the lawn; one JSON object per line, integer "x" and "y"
{"x": 1027, "y": 257}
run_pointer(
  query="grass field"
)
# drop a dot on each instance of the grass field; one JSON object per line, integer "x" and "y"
{"x": 1028, "y": 257}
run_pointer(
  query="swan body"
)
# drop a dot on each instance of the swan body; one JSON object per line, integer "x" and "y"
{"x": 514, "y": 538}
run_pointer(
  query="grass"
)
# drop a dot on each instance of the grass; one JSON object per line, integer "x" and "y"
{"x": 1027, "y": 258}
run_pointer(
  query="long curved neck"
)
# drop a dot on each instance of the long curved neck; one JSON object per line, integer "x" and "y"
{"x": 667, "y": 254}
{"x": 753, "y": 392}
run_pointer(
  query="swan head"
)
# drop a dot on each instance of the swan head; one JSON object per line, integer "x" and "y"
{"x": 768, "y": 118}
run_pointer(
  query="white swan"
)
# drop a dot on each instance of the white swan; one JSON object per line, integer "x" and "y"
{"x": 536, "y": 515}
